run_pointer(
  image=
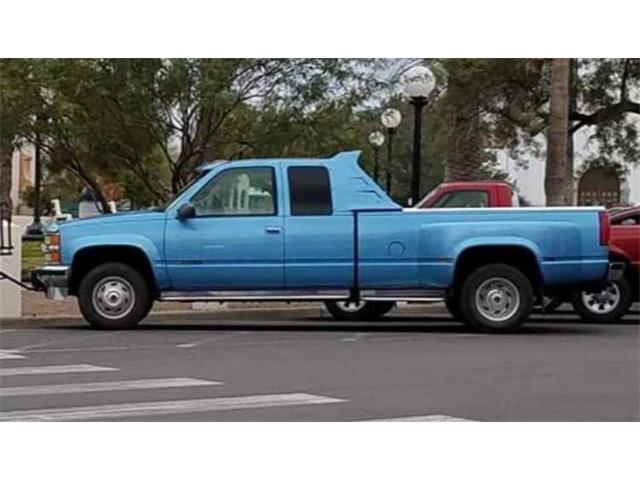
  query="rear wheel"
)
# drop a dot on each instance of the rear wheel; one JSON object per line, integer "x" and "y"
{"x": 496, "y": 298}
{"x": 358, "y": 310}
{"x": 114, "y": 296}
{"x": 607, "y": 305}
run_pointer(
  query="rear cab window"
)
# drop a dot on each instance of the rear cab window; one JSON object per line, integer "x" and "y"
{"x": 628, "y": 220}
{"x": 309, "y": 191}
{"x": 463, "y": 199}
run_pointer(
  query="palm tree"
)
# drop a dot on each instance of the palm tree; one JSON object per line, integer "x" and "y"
{"x": 558, "y": 132}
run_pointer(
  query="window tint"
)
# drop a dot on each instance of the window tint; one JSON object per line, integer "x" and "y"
{"x": 310, "y": 191}
{"x": 469, "y": 199}
{"x": 238, "y": 191}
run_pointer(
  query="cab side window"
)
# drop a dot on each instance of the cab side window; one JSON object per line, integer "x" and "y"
{"x": 236, "y": 192}
{"x": 310, "y": 191}
{"x": 468, "y": 199}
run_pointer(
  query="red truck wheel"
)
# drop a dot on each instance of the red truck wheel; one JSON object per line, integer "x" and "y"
{"x": 607, "y": 305}
{"x": 114, "y": 296}
{"x": 496, "y": 298}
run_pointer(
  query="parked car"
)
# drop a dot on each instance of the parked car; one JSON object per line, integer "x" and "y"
{"x": 321, "y": 229}
{"x": 614, "y": 300}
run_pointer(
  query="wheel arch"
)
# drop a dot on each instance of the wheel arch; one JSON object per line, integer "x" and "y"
{"x": 89, "y": 257}
{"x": 517, "y": 255}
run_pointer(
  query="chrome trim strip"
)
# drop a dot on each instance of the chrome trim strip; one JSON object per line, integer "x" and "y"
{"x": 249, "y": 295}
{"x": 404, "y": 299}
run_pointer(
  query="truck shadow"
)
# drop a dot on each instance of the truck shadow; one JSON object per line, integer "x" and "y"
{"x": 388, "y": 325}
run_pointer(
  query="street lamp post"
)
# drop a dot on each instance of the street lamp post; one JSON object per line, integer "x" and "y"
{"x": 376, "y": 139}
{"x": 419, "y": 83}
{"x": 390, "y": 119}
{"x": 36, "y": 227}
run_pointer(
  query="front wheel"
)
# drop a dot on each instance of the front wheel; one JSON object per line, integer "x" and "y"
{"x": 114, "y": 296}
{"x": 496, "y": 298}
{"x": 607, "y": 305}
{"x": 358, "y": 310}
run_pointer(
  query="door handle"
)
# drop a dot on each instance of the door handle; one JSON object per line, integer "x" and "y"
{"x": 273, "y": 230}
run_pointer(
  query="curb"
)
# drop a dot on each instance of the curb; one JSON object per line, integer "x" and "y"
{"x": 289, "y": 313}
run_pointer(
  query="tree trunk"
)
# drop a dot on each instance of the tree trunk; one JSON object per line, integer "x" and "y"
{"x": 573, "y": 107}
{"x": 6, "y": 172}
{"x": 464, "y": 150}
{"x": 557, "y": 133}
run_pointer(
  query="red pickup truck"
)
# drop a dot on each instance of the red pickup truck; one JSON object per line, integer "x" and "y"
{"x": 470, "y": 195}
{"x": 607, "y": 305}
{"x": 615, "y": 300}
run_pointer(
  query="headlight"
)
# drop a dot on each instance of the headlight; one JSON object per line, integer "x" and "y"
{"x": 51, "y": 249}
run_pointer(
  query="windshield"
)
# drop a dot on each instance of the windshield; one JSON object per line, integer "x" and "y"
{"x": 427, "y": 198}
{"x": 167, "y": 204}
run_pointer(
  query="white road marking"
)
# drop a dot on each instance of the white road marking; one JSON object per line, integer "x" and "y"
{"x": 354, "y": 338}
{"x": 10, "y": 354}
{"x": 105, "y": 386}
{"x": 44, "y": 370}
{"x": 424, "y": 418}
{"x": 170, "y": 407}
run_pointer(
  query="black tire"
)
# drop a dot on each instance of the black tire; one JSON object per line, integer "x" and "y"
{"x": 368, "y": 311}
{"x": 521, "y": 297}
{"x": 132, "y": 286}
{"x": 590, "y": 316}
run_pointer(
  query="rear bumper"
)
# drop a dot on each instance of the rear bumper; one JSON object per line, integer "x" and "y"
{"x": 53, "y": 280}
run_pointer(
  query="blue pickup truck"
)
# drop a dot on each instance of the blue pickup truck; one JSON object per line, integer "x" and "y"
{"x": 321, "y": 230}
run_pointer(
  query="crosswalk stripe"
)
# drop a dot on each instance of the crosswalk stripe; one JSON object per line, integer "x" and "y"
{"x": 168, "y": 407}
{"x": 424, "y": 418}
{"x": 10, "y": 354}
{"x": 104, "y": 386}
{"x": 44, "y": 370}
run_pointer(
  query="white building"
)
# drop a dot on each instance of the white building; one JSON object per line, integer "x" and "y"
{"x": 530, "y": 179}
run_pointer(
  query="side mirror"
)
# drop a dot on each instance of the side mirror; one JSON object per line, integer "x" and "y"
{"x": 186, "y": 211}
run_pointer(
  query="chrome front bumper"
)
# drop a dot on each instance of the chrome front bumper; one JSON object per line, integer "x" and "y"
{"x": 615, "y": 272}
{"x": 53, "y": 280}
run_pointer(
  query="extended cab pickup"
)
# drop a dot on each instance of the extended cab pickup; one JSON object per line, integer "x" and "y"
{"x": 320, "y": 229}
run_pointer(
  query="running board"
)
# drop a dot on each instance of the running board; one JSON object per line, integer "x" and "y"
{"x": 255, "y": 295}
{"x": 371, "y": 295}
{"x": 402, "y": 295}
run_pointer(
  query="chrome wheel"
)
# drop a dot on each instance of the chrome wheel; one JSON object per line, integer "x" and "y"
{"x": 602, "y": 302}
{"x": 497, "y": 299}
{"x": 113, "y": 297}
{"x": 350, "y": 306}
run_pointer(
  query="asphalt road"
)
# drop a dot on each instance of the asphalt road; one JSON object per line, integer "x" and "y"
{"x": 305, "y": 368}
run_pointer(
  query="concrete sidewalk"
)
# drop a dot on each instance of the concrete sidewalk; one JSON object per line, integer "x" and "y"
{"x": 43, "y": 312}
